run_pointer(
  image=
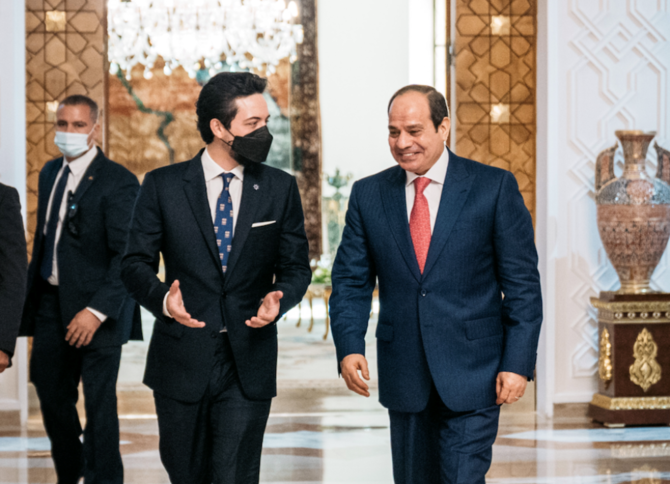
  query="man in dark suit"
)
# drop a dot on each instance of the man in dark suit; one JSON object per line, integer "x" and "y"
{"x": 231, "y": 232}
{"x": 77, "y": 308}
{"x": 445, "y": 237}
{"x": 13, "y": 265}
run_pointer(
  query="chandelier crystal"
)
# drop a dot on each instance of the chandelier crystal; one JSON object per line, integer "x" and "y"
{"x": 197, "y": 34}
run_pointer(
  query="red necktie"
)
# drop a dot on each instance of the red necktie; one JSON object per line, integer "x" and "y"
{"x": 419, "y": 222}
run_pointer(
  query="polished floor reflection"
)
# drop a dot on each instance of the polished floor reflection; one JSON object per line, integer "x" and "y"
{"x": 320, "y": 433}
{"x": 327, "y": 436}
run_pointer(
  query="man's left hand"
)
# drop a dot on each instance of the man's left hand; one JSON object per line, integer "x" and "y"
{"x": 268, "y": 311}
{"x": 510, "y": 387}
{"x": 81, "y": 330}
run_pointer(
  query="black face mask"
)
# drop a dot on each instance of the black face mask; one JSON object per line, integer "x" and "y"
{"x": 253, "y": 147}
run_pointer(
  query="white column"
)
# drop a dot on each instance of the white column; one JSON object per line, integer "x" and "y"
{"x": 547, "y": 195}
{"x": 602, "y": 66}
{"x": 368, "y": 50}
{"x": 421, "y": 42}
{"x": 363, "y": 59}
{"x": 13, "y": 382}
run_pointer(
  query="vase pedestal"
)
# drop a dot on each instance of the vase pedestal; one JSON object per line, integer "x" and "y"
{"x": 634, "y": 359}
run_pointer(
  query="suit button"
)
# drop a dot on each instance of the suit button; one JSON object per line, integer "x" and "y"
{"x": 424, "y": 292}
{"x": 223, "y": 294}
{"x": 213, "y": 334}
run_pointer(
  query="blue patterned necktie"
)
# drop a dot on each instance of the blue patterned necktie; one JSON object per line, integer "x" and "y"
{"x": 223, "y": 223}
{"x": 46, "y": 268}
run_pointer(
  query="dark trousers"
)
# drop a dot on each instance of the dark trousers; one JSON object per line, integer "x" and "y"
{"x": 218, "y": 439}
{"x": 440, "y": 446}
{"x": 55, "y": 369}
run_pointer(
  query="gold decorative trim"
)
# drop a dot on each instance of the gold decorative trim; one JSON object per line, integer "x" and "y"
{"x": 640, "y": 450}
{"x": 634, "y": 306}
{"x": 645, "y": 371}
{"x": 631, "y": 403}
{"x": 604, "y": 359}
{"x": 654, "y": 312}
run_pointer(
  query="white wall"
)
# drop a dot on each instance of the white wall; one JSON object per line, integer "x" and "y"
{"x": 13, "y": 382}
{"x": 602, "y": 66}
{"x": 367, "y": 50}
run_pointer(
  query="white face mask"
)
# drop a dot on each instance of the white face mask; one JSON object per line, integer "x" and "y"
{"x": 72, "y": 145}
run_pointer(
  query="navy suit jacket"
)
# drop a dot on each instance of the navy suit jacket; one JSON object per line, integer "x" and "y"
{"x": 89, "y": 250}
{"x": 451, "y": 325}
{"x": 13, "y": 267}
{"x": 172, "y": 217}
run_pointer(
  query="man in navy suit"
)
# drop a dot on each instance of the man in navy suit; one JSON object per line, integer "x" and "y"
{"x": 77, "y": 309}
{"x": 450, "y": 243}
{"x": 231, "y": 233}
{"x": 13, "y": 270}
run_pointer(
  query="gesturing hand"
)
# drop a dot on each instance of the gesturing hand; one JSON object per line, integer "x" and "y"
{"x": 81, "y": 330}
{"x": 268, "y": 311}
{"x": 349, "y": 367}
{"x": 175, "y": 306}
{"x": 510, "y": 387}
{"x": 4, "y": 361}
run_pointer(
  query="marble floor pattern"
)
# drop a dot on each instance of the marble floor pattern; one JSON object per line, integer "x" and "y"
{"x": 319, "y": 432}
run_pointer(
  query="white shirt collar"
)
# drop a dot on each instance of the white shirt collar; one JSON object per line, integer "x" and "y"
{"x": 212, "y": 169}
{"x": 437, "y": 172}
{"x": 81, "y": 164}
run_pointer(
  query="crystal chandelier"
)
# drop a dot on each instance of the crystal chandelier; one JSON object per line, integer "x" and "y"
{"x": 196, "y": 34}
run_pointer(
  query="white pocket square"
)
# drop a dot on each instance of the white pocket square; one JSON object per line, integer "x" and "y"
{"x": 261, "y": 224}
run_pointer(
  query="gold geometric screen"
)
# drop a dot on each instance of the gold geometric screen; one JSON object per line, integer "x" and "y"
{"x": 495, "y": 86}
{"x": 64, "y": 56}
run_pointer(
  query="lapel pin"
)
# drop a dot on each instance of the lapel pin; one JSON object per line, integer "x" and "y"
{"x": 90, "y": 178}
{"x": 255, "y": 187}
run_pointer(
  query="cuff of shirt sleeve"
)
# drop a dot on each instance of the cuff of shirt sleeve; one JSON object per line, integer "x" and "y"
{"x": 165, "y": 309}
{"x": 98, "y": 314}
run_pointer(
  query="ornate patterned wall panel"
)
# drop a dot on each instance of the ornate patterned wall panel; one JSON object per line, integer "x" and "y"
{"x": 614, "y": 61}
{"x": 64, "y": 55}
{"x": 495, "y": 86}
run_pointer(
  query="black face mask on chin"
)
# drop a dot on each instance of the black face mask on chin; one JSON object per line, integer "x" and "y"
{"x": 253, "y": 147}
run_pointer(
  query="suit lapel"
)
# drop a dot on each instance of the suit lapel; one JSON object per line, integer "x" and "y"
{"x": 196, "y": 193}
{"x": 395, "y": 207}
{"x": 89, "y": 177}
{"x": 47, "y": 188}
{"x": 455, "y": 191}
{"x": 252, "y": 191}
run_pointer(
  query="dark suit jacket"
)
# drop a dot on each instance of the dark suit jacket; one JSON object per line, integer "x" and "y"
{"x": 450, "y": 324}
{"x": 89, "y": 251}
{"x": 13, "y": 265}
{"x": 172, "y": 217}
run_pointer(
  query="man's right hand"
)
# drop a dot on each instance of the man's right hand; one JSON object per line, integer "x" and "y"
{"x": 175, "y": 306}
{"x": 350, "y": 366}
{"x": 4, "y": 361}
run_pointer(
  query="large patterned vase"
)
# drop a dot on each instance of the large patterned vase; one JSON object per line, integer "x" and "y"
{"x": 633, "y": 210}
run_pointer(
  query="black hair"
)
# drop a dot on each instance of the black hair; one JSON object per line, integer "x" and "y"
{"x": 436, "y": 101}
{"x": 217, "y": 99}
{"x": 81, "y": 100}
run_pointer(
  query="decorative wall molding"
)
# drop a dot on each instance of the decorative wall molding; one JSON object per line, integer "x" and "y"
{"x": 614, "y": 59}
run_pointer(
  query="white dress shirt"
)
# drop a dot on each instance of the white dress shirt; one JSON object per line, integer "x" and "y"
{"x": 433, "y": 191}
{"x": 214, "y": 183}
{"x": 78, "y": 168}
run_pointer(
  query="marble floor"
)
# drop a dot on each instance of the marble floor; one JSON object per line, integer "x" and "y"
{"x": 318, "y": 432}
